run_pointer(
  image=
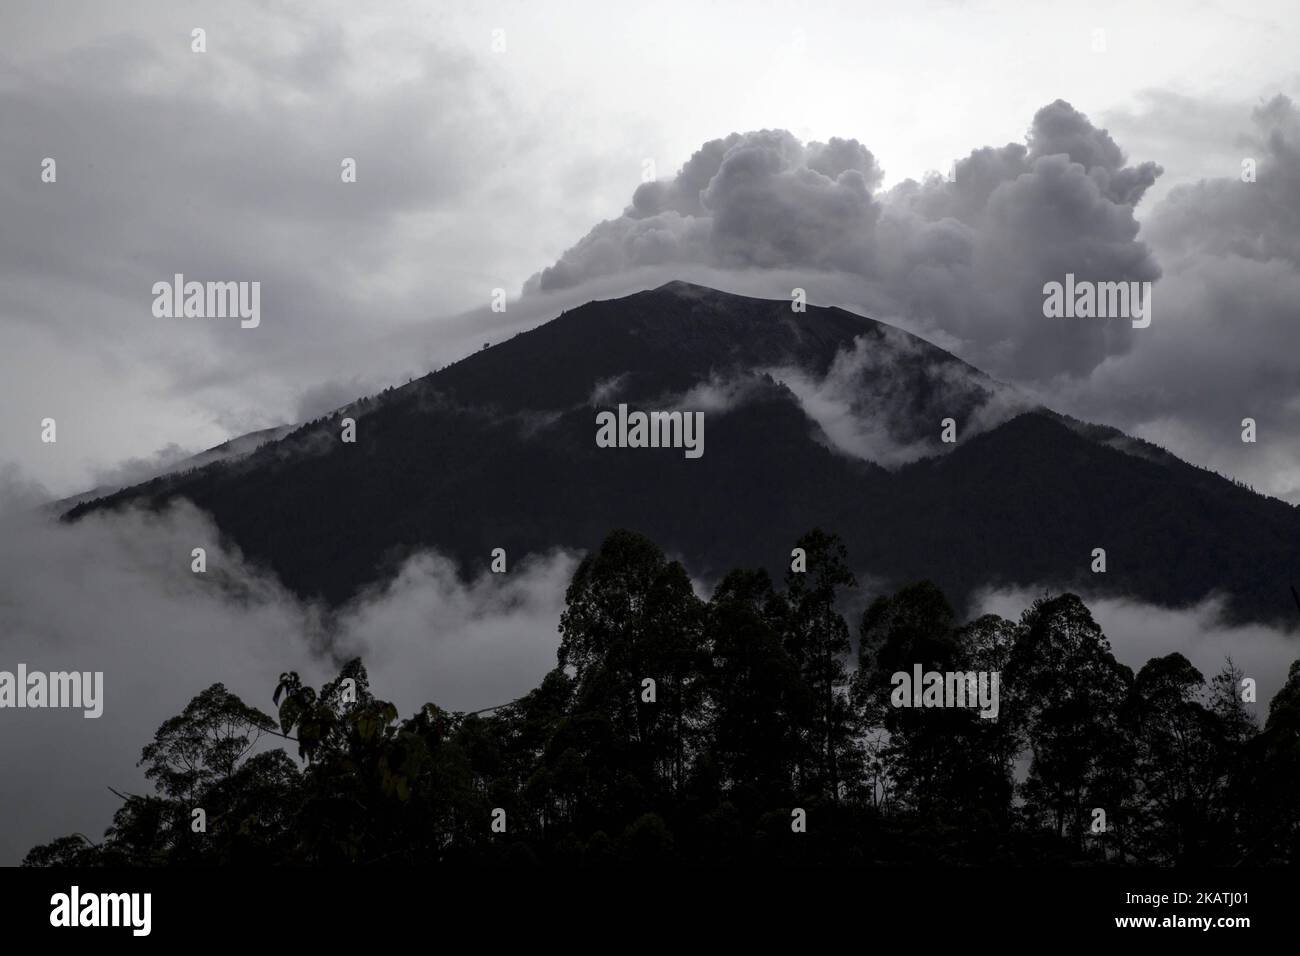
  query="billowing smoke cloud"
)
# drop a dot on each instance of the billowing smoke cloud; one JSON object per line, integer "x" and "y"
{"x": 965, "y": 258}
{"x": 1222, "y": 346}
{"x": 115, "y": 593}
{"x": 963, "y": 262}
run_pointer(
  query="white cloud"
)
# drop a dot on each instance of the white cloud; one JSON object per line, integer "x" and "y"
{"x": 115, "y": 593}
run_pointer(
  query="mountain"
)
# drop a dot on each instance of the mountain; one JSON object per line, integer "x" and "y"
{"x": 802, "y": 410}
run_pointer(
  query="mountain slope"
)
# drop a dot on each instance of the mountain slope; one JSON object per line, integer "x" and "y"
{"x": 499, "y": 451}
{"x": 227, "y": 451}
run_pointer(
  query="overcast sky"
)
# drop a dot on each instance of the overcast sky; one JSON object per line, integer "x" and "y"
{"x": 478, "y": 167}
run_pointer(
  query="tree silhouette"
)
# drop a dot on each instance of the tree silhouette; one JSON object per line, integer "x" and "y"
{"x": 751, "y": 723}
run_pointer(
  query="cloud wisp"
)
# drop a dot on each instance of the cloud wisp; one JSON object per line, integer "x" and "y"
{"x": 115, "y": 593}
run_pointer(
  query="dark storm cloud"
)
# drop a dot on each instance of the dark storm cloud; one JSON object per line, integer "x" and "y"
{"x": 1232, "y": 218}
{"x": 966, "y": 258}
{"x": 972, "y": 255}
{"x": 1225, "y": 349}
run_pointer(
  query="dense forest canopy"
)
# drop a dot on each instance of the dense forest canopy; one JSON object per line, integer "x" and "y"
{"x": 739, "y": 729}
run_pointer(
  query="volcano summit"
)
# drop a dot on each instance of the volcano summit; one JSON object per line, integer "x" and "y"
{"x": 818, "y": 418}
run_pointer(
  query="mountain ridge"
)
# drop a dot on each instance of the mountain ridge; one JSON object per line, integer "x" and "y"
{"x": 498, "y": 450}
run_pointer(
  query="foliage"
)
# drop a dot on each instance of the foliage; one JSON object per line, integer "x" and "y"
{"x": 678, "y": 730}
